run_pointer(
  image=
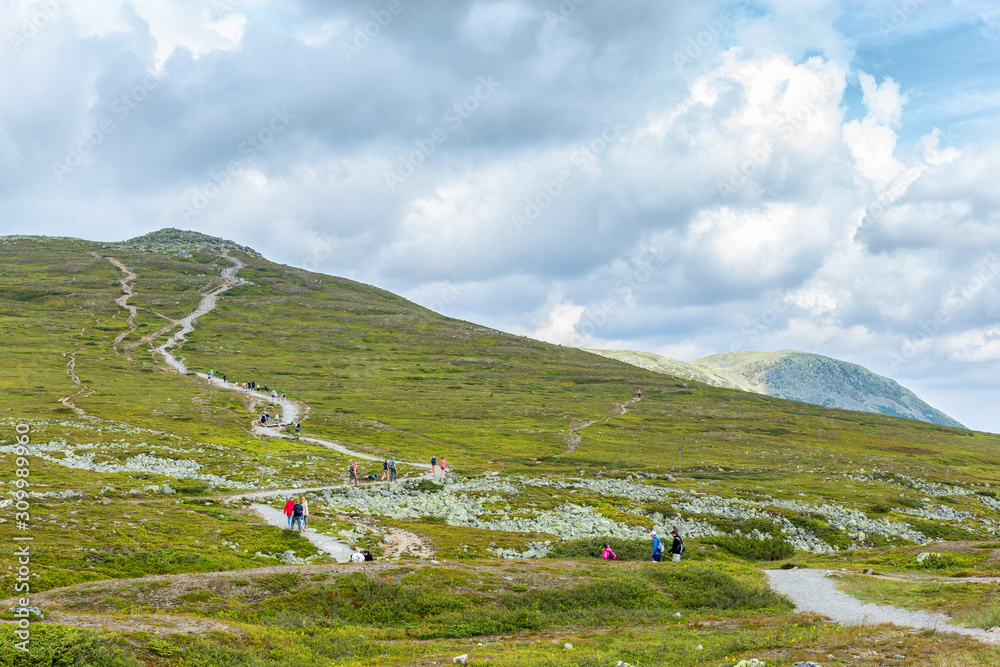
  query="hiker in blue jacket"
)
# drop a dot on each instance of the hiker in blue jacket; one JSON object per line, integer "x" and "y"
{"x": 657, "y": 547}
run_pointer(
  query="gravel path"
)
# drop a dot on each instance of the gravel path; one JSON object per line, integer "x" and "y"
{"x": 812, "y": 590}
{"x": 330, "y": 545}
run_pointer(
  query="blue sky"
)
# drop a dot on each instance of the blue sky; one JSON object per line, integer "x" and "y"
{"x": 658, "y": 176}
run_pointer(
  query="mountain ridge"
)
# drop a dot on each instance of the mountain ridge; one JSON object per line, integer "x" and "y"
{"x": 798, "y": 376}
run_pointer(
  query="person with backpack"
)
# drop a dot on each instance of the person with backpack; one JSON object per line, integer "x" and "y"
{"x": 434, "y": 466}
{"x": 677, "y": 548}
{"x": 657, "y": 547}
{"x": 392, "y": 469}
{"x": 298, "y": 427}
{"x": 608, "y": 553}
{"x": 354, "y": 474}
{"x": 385, "y": 469}
{"x": 289, "y": 504}
{"x": 305, "y": 513}
{"x": 297, "y": 516}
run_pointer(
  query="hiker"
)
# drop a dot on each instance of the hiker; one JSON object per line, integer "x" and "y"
{"x": 354, "y": 474}
{"x": 368, "y": 555}
{"x": 298, "y": 427}
{"x": 657, "y": 547}
{"x": 357, "y": 556}
{"x": 442, "y": 463}
{"x": 289, "y": 506}
{"x": 223, "y": 377}
{"x": 305, "y": 513}
{"x": 282, "y": 395}
{"x": 297, "y": 516}
{"x": 263, "y": 419}
{"x": 385, "y": 469}
{"x": 392, "y": 469}
{"x": 677, "y": 548}
{"x": 434, "y": 466}
{"x": 608, "y": 553}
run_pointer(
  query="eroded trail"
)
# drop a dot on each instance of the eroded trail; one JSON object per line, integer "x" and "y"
{"x": 122, "y": 301}
{"x": 291, "y": 412}
{"x": 71, "y": 372}
{"x": 206, "y": 306}
{"x": 574, "y": 437}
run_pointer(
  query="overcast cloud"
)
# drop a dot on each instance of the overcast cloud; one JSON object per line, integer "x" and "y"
{"x": 651, "y": 175}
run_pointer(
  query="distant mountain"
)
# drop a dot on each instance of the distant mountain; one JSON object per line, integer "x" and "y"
{"x": 798, "y": 376}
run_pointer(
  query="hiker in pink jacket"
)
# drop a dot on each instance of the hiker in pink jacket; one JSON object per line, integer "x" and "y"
{"x": 608, "y": 553}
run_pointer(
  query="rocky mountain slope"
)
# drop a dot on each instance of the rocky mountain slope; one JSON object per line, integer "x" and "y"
{"x": 798, "y": 376}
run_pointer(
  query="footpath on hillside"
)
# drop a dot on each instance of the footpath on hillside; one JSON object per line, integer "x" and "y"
{"x": 810, "y": 590}
{"x": 814, "y": 590}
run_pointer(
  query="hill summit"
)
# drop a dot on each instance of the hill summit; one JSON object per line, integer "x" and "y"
{"x": 798, "y": 376}
{"x": 172, "y": 240}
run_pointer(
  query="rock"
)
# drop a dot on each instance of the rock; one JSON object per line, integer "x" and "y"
{"x": 460, "y": 659}
{"x": 677, "y": 615}
{"x": 807, "y": 663}
{"x": 995, "y": 628}
{"x": 751, "y": 662}
{"x": 289, "y": 558}
{"x": 106, "y": 489}
{"x": 167, "y": 489}
{"x": 568, "y": 646}
{"x": 700, "y": 647}
{"x": 24, "y": 612}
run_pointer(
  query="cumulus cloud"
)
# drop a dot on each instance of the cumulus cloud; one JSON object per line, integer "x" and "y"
{"x": 681, "y": 178}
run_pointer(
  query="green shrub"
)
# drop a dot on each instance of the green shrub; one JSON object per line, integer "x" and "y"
{"x": 771, "y": 548}
{"x": 694, "y": 587}
{"x": 943, "y": 531}
{"x": 428, "y": 485}
{"x": 279, "y": 582}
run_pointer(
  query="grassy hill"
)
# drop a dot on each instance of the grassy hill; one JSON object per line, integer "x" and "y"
{"x": 798, "y": 376}
{"x": 545, "y": 445}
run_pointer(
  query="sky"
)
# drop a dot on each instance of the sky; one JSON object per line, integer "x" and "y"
{"x": 678, "y": 178}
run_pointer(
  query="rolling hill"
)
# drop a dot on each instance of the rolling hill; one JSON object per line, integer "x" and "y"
{"x": 149, "y": 481}
{"x": 797, "y": 376}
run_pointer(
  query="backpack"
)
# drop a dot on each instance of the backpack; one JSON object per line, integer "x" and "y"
{"x": 297, "y": 510}
{"x": 658, "y": 547}
{"x": 681, "y": 550}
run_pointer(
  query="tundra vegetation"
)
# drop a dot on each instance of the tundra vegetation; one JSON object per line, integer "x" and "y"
{"x": 146, "y": 552}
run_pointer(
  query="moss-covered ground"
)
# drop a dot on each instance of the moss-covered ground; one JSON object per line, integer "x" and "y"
{"x": 385, "y": 376}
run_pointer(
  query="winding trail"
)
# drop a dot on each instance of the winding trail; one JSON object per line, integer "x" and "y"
{"x": 206, "y": 306}
{"x": 812, "y": 590}
{"x": 71, "y": 372}
{"x": 291, "y": 412}
{"x": 574, "y": 437}
{"x": 122, "y": 301}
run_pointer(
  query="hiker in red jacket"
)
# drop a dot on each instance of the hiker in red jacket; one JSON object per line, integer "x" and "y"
{"x": 289, "y": 510}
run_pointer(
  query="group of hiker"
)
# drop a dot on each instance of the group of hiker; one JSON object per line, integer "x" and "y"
{"x": 266, "y": 419}
{"x": 676, "y": 549}
{"x": 297, "y": 512}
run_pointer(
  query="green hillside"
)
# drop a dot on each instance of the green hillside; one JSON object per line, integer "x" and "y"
{"x": 550, "y": 455}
